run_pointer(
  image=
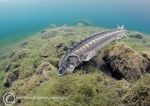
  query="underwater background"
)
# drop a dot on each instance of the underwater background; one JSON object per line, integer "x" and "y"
{"x": 22, "y": 18}
{"x": 37, "y": 35}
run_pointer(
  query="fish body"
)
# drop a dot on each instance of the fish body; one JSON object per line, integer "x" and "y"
{"x": 87, "y": 49}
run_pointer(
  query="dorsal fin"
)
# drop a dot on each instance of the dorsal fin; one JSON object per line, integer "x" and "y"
{"x": 120, "y": 27}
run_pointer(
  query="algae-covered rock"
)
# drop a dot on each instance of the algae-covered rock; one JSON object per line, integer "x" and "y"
{"x": 46, "y": 51}
{"x": 146, "y": 54}
{"x": 20, "y": 54}
{"x": 34, "y": 81}
{"x": 23, "y": 86}
{"x": 44, "y": 69}
{"x": 127, "y": 62}
{"x": 10, "y": 78}
{"x": 43, "y": 66}
{"x": 23, "y": 44}
{"x": 80, "y": 24}
{"x": 59, "y": 45}
{"x": 137, "y": 35}
{"x": 44, "y": 54}
{"x": 49, "y": 34}
{"x": 53, "y": 26}
{"x": 43, "y": 32}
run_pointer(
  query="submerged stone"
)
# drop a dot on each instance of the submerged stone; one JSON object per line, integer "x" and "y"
{"x": 45, "y": 52}
{"x": 24, "y": 43}
{"x": 9, "y": 79}
{"x": 126, "y": 62}
{"x": 48, "y": 34}
{"x": 59, "y": 45}
{"x": 136, "y": 35}
{"x": 53, "y": 26}
{"x": 44, "y": 69}
{"x": 80, "y": 24}
{"x": 43, "y": 31}
{"x": 146, "y": 54}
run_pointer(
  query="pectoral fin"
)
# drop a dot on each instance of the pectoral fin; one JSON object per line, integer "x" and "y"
{"x": 88, "y": 56}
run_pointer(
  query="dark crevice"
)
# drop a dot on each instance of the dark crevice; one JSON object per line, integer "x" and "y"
{"x": 114, "y": 73}
{"x": 7, "y": 85}
{"x": 117, "y": 75}
{"x": 105, "y": 68}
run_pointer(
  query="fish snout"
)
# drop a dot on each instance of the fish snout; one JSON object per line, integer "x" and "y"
{"x": 61, "y": 71}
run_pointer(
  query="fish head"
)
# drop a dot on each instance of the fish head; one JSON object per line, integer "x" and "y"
{"x": 68, "y": 64}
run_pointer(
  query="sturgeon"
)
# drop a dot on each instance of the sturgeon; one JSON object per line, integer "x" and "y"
{"x": 87, "y": 49}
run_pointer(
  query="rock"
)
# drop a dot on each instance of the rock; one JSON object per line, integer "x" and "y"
{"x": 43, "y": 66}
{"x": 43, "y": 31}
{"x": 59, "y": 45}
{"x": 80, "y": 24}
{"x": 9, "y": 79}
{"x": 33, "y": 82}
{"x": 49, "y": 34}
{"x": 47, "y": 51}
{"x": 146, "y": 54}
{"x": 22, "y": 87}
{"x": 126, "y": 62}
{"x": 44, "y": 54}
{"x": 53, "y": 26}
{"x": 45, "y": 74}
{"x": 44, "y": 69}
{"x": 136, "y": 35}
{"x": 20, "y": 54}
{"x": 24, "y": 44}
{"x": 65, "y": 48}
